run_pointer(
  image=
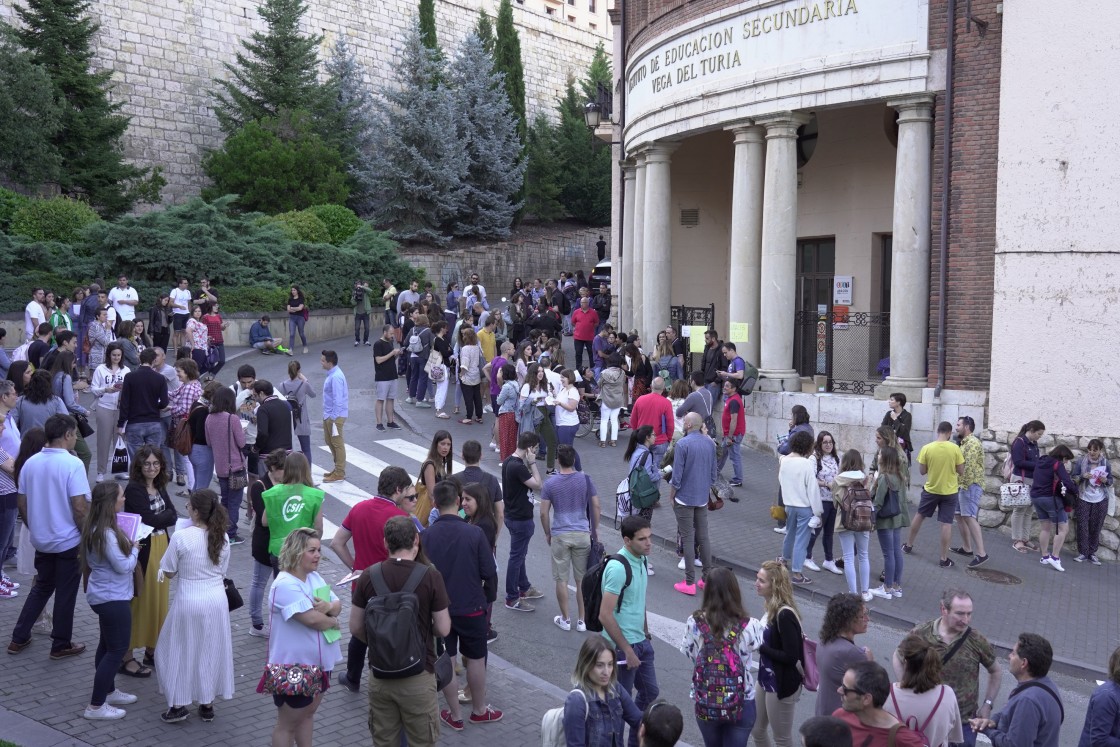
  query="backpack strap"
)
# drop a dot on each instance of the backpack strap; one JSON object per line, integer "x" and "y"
{"x": 626, "y": 584}
{"x": 1054, "y": 695}
{"x": 956, "y": 646}
{"x": 892, "y": 736}
{"x": 377, "y": 576}
{"x": 932, "y": 713}
{"x": 414, "y": 578}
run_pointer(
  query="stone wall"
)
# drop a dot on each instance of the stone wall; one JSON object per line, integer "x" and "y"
{"x": 166, "y": 53}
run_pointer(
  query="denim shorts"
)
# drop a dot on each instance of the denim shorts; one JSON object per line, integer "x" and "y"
{"x": 968, "y": 501}
{"x": 1049, "y": 508}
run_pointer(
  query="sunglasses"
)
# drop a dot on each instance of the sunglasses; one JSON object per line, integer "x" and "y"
{"x": 410, "y": 497}
{"x": 850, "y": 690}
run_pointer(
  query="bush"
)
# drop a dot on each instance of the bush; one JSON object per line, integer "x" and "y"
{"x": 340, "y": 221}
{"x": 256, "y": 298}
{"x": 56, "y": 219}
{"x": 301, "y": 226}
{"x": 10, "y": 202}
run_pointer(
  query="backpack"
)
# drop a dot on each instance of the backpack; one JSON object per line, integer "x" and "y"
{"x": 857, "y": 509}
{"x": 552, "y": 725}
{"x": 717, "y": 678}
{"x": 20, "y": 353}
{"x": 294, "y": 406}
{"x": 396, "y": 647}
{"x": 643, "y": 490}
{"x": 592, "y": 590}
{"x": 415, "y": 344}
{"x": 750, "y": 378}
{"x": 911, "y": 722}
{"x": 1008, "y": 467}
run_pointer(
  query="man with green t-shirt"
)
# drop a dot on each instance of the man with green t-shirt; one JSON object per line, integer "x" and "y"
{"x": 942, "y": 463}
{"x": 626, "y": 625}
{"x": 288, "y": 507}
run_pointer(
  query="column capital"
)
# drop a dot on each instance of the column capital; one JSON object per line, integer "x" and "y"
{"x": 629, "y": 169}
{"x": 916, "y": 108}
{"x": 782, "y": 124}
{"x": 747, "y": 132}
{"x": 660, "y": 152}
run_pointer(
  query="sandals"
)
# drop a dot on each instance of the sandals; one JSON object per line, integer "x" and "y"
{"x": 478, "y": 420}
{"x": 465, "y": 421}
{"x": 149, "y": 659}
{"x": 140, "y": 672}
{"x": 1020, "y": 546}
{"x": 442, "y": 415}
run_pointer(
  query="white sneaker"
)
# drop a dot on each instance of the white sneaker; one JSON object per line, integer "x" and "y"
{"x": 1080, "y": 558}
{"x": 488, "y": 409}
{"x": 493, "y": 446}
{"x": 581, "y": 626}
{"x": 261, "y": 632}
{"x": 881, "y": 592}
{"x": 101, "y": 477}
{"x": 105, "y": 712}
{"x": 410, "y": 400}
{"x": 562, "y": 623}
{"x": 649, "y": 569}
{"x": 867, "y": 596}
{"x": 780, "y": 530}
{"x": 811, "y": 565}
{"x": 680, "y": 565}
{"x": 698, "y": 562}
{"x": 120, "y": 698}
{"x": 830, "y": 565}
{"x": 1044, "y": 560}
{"x": 1056, "y": 564}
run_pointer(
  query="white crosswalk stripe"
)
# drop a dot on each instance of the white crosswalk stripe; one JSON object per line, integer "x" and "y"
{"x": 412, "y": 451}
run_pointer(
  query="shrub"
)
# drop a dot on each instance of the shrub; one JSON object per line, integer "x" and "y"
{"x": 10, "y": 202}
{"x": 257, "y": 298}
{"x": 301, "y": 226}
{"x": 55, "y": 219}
{"x": 340, "y": 221}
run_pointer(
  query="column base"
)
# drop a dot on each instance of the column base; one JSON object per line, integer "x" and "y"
{"x": 779, "y": 381}
{"x": 912, "y": 388}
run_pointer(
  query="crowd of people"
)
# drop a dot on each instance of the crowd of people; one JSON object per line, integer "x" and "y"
{"x": 423, "y": 549}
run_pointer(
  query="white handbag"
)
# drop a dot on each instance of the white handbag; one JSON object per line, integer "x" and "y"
{"x": 1014, "y": 495}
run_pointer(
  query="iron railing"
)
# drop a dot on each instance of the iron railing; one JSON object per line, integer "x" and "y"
{"x": 851, "y": 348}
{"x": 685, "y": 316}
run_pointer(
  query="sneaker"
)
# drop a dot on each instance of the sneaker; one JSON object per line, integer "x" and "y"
{"x": 393, "y": 426}
{"x": 685, "y": 588}
{"x": 261, "y": 632}
{"x": 961, "y": 551}
{"x": 345, "y": 682}
{"x": 1094, "y": 560}
{"x": 206, "y": 712}
{"x": 811, "y": 565}
{"x": 65, "y": 653}
{"x": 7, "y": 592}
{"x": 701, "y": 584}
{"x": 946, "y": 563}
{"x": 649, "y": 570}
{"x": 581, "y": 626}
{"x": 493, "y": 446}
{"x": 520, "y": 605}
{"x": 488, "y": 409}
{"x": 305, "y": 350}
{"x": 1080, "y": 558}
{"x": 492, "y": 635}
{"x": 100, "y": 476}
{"x": 801, "y": 580}
{"x": 867, "y": 596}
{"x": 1056, "y": 564}
{"x": 410, "y": 401}
{"x": 780, "y": 530}
{"x": 532, "y": 593}
{"x": 175, "y": 715}
{"x": 238, "y": 540}
{"x": 120, "y": 698}
{"x": 445, "y": 716}
{"x": 488, "y": 716}
{"x": 880, "y": 592}
{"x": 907, "y": 548}
{"x": 830, "y": 566}
{"x": 356, "y": 343}
{"x": 105, "y": 713}
{"x": 561, "y": 623}
{"x": 424, "y": 405}
{"x": 6, "y": 580}
{"x": 978, "y": 561}
{"x": 1044, "y": 560}
{"x": 736, "y": 483}
{"x": 367, "y": 343}
{"x": 380, "y": 427}
{"x": 897, "y": 592}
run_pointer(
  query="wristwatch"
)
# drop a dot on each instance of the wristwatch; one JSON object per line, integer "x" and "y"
{"x": 988, "y": 703}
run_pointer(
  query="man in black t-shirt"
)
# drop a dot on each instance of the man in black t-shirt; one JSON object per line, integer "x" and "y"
{"x": 519, "y": 476}
{"x": 385, "y": 354}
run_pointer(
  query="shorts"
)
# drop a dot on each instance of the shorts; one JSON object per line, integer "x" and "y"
{"x": 1049, "y": 508}
{"x": 385, "y": 390}
{"x": 968, "y": 501}
{"x": 944, "y": 505}
{"x": 300, "y": 701}
{"x": 569, "y": 551}
{"x": 261, "y": 345}
{"x": 179, "y": 321}
{"x": 468, "y": 636}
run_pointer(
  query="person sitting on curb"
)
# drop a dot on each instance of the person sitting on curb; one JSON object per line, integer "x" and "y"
{"x": 260, "y": 337}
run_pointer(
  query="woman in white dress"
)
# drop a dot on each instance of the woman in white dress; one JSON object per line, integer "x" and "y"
{"x": 304, "y": 612}
{"x": 194, "y": 653}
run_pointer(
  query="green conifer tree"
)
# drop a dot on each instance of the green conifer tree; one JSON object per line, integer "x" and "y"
{"x": 29, "y": 116}
{"x": 542, "y": 186}
{"x": 428, "y": 25}
{"x": 585, "y": 164}
{"x": 486, "y": 31}
{"x": 507, "y": 57}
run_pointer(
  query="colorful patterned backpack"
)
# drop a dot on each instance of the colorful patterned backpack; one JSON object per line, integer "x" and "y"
{"x": 718, "y": 681}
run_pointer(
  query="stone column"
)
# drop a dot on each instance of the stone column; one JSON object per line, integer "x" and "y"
{"x": 636, "y": 281}
{"x": 624, "y": 283}
{"x": 910, "y": 253}
{"x": 657, "y": 250}
{"x": 745, "y": 255}
{"x": 778, "y": 293}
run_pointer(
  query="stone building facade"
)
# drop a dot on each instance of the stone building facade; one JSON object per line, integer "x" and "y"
{"x": 783, "y": 161}
{"x": 166, "y": 54}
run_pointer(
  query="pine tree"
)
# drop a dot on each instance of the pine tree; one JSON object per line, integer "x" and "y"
{"x": 486, "y": 31}
{"x": 507, "y": 57}
{"x": 428, "y": 25}
{"x": 598, "y": 74}
{"x": 488, "y": 130}
{"x": 58, "y": 35}
{"x": 585, "y": 165}
{"x": 29, "y": 116}
{"x": 542, "y": 188}
{"x": 420, "y": 166}
{"x": 276, "y": 72}
{"x": 351, "y": 120}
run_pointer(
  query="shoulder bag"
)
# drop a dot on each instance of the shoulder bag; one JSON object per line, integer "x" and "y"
{"x": 956, "y": 646}
{"x": 240, "y": 479}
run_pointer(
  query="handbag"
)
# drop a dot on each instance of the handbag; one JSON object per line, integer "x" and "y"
{"x": 182, "y": 440}
{"x": 120, "y": 458}
{"x": 434, "y": 367}
{"x": 891, "y": 507}
{"x": 778, "y": 513}
{"x": 721, "y": 491}
{"x": 1014, "y": 495}
{"x": 233, "y": 596}
{"x": 445, "y": 670}
{"x": 291, "y": 679}
{"x": 83, "y": 424}
{"x": 236, "y": 480}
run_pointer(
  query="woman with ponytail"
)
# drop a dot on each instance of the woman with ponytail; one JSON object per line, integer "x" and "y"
{"x": 194, "y": 654}
{"x": 108, "y": 561}
{"x": 920, "y": 700}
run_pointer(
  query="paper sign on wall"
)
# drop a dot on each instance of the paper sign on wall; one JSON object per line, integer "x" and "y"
{"x": 686, "y": 331}
{"x": 842, "y": 290}
{"x": 740, "y": 332}
{"x": 696, "y": 339}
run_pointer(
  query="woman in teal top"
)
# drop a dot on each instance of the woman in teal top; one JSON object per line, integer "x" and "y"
{"x": 291, "y": 504}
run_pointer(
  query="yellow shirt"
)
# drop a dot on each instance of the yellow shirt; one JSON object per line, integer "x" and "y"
{"x": 941, "y": 459}
{"x": 488, "y": 344}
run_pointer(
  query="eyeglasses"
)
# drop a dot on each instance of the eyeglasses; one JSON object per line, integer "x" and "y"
{"x": 410, "y": 497}
{"x": 151, "y": 464}
{"x": 849, "y": 690}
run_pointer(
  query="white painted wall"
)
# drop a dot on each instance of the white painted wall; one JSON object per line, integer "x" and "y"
{"x": 1056, "y": 309}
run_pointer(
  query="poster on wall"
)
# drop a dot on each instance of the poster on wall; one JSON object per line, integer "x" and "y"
{"x": 740, "y": 332}
{"x": 842, "y": 290}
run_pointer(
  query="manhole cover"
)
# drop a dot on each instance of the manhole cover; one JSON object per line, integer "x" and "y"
{"x": 994, "y": 577}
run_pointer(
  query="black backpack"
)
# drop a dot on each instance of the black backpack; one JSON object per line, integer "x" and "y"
{"x": 397, "y": 649}
{"x": 294, "y": 406}
{"x": 592, "y": 590}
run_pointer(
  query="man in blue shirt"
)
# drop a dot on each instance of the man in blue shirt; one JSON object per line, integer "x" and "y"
{"x": 336, "y": 408}
{"x": 694, "y": 472}
{"x": 573, "y": 501}
{"x": 260, "y": 337}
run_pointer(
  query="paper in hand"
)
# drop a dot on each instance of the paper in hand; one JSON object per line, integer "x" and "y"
{"x": 330, "y": 635}
{"x": 348, "y": 578}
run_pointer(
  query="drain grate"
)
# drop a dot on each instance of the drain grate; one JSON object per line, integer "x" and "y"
{"x": 994, "y": 577}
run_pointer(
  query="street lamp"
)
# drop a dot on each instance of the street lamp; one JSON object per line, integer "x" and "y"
{"x": 592, "y": 114}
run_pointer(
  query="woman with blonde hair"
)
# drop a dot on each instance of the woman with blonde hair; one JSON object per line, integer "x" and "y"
{"x": 779, "y": 672}
{"x": 298, "y": 387}
{"x": 597, "y": 710}
{"x": 292, "y": 504}
{"x": 920, "y": 699}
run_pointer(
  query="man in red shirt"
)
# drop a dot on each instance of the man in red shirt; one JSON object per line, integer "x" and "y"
{"x": 654, "y": 409}
{"x": 863, "y": 691}
{"x": 584, "y": 322}
{"x": 734, "y": 428}
{"x": 365, "y": 524}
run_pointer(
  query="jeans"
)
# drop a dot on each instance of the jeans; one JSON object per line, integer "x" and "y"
{"x": 566, "y": 434}
{"x": 854, "y": 545}
{"x": 734, "y": 450}
{"x": 8, "y": 515}
{"x": 202, "y": 462}
{"x": 548, "y": 437}
{"x": 890, "y": 541}
{"x": 305, "y": 447}
{"x": 231, "y": 499}
{"x": 582, "y": 345}
{"x": 969, "y": 737}
{"x": 295, "y": 324}
{"x": 355, "y": 660}
{"x": 257, "y": 589}
{"x": 828, "y": 527}
{"x": 105, "y": 427}
{"x": 168, "y": 452}
{"x": 729, "y": 733}
{"x": 692, "y": 523}
{"x": 80, "y": 331}
{"x": 645, "y": 679}
{"x": 517, "y": 580}
{"x": 221, "y": 348}
{"x": 658, "y": 453}
{"x": 417, "y": 378}
{"x": 115, "y": 621}
{"x": 361, "y": 320}
{"x": 138, "y": 434}
{"x": 56, "y": 573}
{"x": 797, "y": 536}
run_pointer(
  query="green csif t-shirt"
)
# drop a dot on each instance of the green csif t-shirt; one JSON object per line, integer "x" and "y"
{"x": 289, "y": 507}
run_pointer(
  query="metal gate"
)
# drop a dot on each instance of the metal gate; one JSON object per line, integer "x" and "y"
{"x": 851, "y": 348}
{"x": 689, "y": 316}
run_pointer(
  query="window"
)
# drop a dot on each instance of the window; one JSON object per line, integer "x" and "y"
{"x": 591, "y": 5}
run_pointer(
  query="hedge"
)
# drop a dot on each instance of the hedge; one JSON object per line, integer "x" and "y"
{"x": 55, "y": 219}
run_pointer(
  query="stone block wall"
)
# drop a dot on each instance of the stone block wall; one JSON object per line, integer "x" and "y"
{"x": 165, "y": 55}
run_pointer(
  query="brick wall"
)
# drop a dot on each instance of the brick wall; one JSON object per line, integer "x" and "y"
{"x": 646, "y": 19}
{"x": 972, "y": 206}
